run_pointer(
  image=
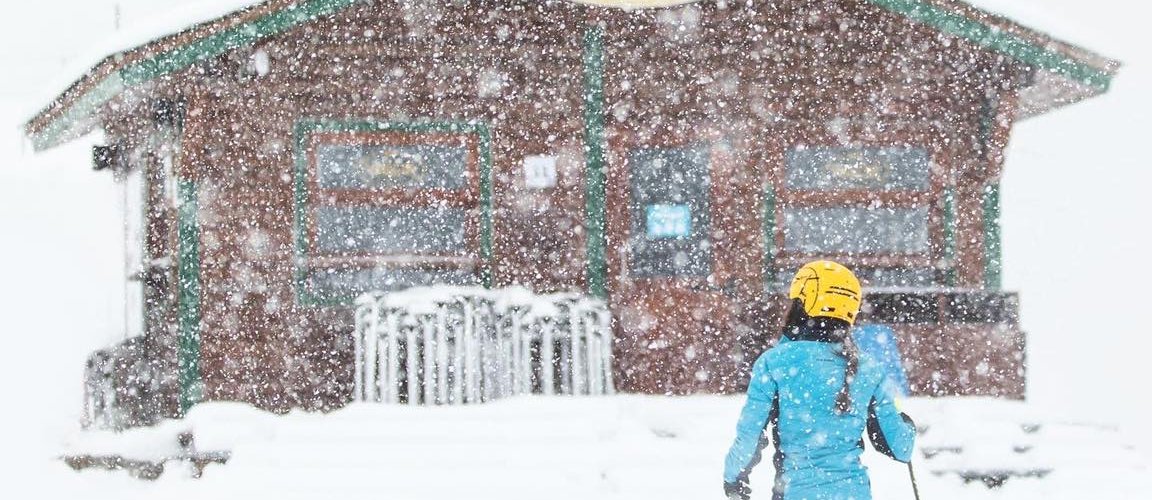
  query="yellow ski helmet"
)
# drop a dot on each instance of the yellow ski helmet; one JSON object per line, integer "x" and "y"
{"x": 827, "y": 289}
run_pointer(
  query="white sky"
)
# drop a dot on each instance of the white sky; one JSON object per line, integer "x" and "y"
{"x": 1074, "y": 215}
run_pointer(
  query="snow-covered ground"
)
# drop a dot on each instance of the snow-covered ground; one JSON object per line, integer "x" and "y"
{"x": 1075, "y": 187}
{"x": 560, "y": 448}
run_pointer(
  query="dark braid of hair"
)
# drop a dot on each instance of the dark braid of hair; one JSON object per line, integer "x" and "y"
{"x": 848, "y": 350}
{"x": 799, "y": 326}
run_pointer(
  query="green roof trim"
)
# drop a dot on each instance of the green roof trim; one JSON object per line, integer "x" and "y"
{"x": 232, "y": 38}
{"x": 998, "y": 40}
{"x": 179, "y": 58}
{"x": 63, "y": 126}
{"x": 58, "y": 129}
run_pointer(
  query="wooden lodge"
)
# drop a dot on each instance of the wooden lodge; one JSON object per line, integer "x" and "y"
{"x": 680, "y": 160}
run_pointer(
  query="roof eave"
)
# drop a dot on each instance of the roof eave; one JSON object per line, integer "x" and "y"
{"x": 1050, "y": 91}
{"x": 1085, "y": 73}
{"x": 73, "y": 114}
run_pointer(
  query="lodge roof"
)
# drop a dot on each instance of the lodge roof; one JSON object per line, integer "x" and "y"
{"x": 1065, "y": 73}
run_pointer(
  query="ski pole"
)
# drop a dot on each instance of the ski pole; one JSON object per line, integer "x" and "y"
{"x": 912, "y": 475}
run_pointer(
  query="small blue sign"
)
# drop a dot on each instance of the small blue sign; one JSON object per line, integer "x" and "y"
{"x": 669, "y": 221}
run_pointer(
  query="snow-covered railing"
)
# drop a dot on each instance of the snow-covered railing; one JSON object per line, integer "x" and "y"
{"x": 127, "y": 384}
{"x": 454, "y": 345}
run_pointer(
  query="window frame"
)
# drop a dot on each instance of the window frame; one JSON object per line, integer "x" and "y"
{"x": 475, "y": 197}
{"x": 779, "y": 258}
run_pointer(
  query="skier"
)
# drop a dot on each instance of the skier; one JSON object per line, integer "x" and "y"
{"x": 820, "y": 395}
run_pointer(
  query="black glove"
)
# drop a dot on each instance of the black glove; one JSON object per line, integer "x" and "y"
{"x": 738, "y": 490}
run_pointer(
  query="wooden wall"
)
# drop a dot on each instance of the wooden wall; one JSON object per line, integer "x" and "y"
{"x": 757, "y": 79}
{"x": 763, "y": 79}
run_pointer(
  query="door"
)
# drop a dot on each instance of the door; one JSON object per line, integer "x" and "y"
{"x": 675, "y": 260}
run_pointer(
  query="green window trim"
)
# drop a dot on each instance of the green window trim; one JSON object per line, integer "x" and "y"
{"x": 188, "y": 236}
{"x": 949, "y": 199}
{"x": 595, "y": 165}
{"x": 302, "y": 133}
{"x": 990, "y": 197}
{"x": 992, "y": 244}
{"x": 931, "y": 248}
{"x": 769, "y": 260}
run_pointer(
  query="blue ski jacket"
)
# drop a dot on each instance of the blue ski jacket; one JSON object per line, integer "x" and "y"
{"x": 817, "y": 450}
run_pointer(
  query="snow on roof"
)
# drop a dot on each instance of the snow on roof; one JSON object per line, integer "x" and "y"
{"x": 74, "y": 112}
{"x": 133, "y": 36}
{"x": 1069, "y": 73}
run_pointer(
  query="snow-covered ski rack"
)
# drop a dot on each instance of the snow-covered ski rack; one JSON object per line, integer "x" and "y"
{"x": 456, "y": 345}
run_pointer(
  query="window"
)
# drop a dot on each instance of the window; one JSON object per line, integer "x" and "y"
{"x": 372, "y": 230}
{"x": 842, "y": 169}
{"x": 384, "y": 207}
{"x": 856, "y": 230}
{"x": 867, "y": 207}
{"x": 394, "y": 166}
